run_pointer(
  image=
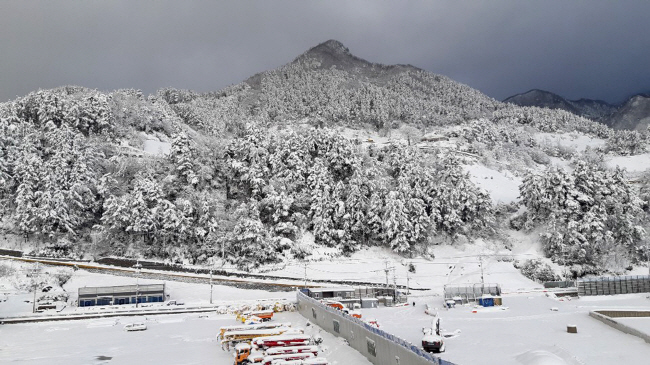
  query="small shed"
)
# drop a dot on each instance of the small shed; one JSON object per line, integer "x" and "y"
{"x": 369, "y": 302}
{"x": 486, "y": 300}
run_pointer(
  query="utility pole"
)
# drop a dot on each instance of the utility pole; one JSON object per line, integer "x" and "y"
{"x": 305, "y": 274}
{"x": 210, "y": 286}
{"x": 34, "y": 273}
{"x": 408, "y": 290}
{"x": 480, "y": 260}
{"x": 137, "y": 267}
{"x": 386, "y": 271}
{"x": 394, "y": 286}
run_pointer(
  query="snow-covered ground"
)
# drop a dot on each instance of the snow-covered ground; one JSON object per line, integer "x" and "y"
{"x": 632, "y": 164}
{"x": 575, "y": 140}
{"x": 502, "y": 186}
{"x": 169, "y": 339}
{"x": 524, "y": 324}
{"x": 526, "y": 328}
{"x": 154, "y": 146}
{"x": 451, "y": 265}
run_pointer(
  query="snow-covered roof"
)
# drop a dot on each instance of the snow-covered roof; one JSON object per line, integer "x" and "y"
{"x": 242, "y": 346}
{"x": 333, "y": 289}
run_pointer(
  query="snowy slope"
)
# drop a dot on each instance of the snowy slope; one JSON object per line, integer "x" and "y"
{"x": 502, "y": 186}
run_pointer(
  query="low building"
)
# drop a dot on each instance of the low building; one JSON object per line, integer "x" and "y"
{"x": 466, "y": 293}
{"x": 341, "y": 292}
{"x": 117, "y": 295}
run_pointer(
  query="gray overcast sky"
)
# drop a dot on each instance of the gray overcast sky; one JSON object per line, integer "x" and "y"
{"x": 593, "y": 49}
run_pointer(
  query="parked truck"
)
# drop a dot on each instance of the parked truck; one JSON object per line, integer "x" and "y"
{"x": 230, "y": 338}
{"x": 264, "y": 315}
{"x": 433, "y": 340}
{"x": 260, "y": 326}
{"x": 245, "y": 353}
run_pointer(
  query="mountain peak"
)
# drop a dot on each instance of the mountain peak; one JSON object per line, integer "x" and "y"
{"x": 331, "y": 45}
{"x": 332, "y": 53}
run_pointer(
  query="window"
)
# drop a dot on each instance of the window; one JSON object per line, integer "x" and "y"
{"x": 371, "y": 347}
{"x": 337, "y": 325}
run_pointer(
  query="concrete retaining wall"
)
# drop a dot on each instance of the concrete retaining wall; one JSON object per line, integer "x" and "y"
{"x": 604, "y": 317}
{"x": 379, "y": 347}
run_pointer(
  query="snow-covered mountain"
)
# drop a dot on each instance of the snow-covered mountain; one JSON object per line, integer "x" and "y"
{"x": 315, "y": 154}
{"x": 633, "y": 114}
{"x": 588, "y": 108}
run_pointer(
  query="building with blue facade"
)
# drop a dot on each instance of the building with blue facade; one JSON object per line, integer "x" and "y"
{"x": 118, "y": 295}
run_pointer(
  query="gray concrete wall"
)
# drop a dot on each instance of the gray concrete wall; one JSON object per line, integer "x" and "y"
{"x": 620, "y": 326}
{"x": 388, "y": 350}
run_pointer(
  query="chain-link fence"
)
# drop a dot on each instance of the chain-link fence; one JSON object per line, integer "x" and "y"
{"x": 614, "y": 285}
{"x": 470, "y": 292}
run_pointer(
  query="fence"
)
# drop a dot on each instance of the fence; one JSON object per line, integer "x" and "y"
{"x": 380, "y": 347}
{"x": 559, "y": 284}
{"x": 614, "y": 285}
{"x": 471, "y": 292}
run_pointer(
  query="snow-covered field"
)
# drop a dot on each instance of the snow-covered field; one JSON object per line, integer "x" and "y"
{"x": 525, "y": 324}
{"x": 524, "y": 330}
{"x": 451, "y": 265}
{"x": 169, "y": 339}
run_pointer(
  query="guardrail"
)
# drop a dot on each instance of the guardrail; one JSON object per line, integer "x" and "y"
{"x": 100, "y": 314}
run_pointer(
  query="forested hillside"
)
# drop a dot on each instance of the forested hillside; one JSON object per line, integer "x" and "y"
{"x": 254, "y": 168}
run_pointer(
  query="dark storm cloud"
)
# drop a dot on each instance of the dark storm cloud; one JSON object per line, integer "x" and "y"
{"x": 593, "y": 49}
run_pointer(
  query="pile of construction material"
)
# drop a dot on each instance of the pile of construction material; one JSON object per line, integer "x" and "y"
{"x": 267, "y": 342}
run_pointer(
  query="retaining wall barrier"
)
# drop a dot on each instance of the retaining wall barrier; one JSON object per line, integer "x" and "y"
{"x": 607, "y": 317}
{"x": 380, "y": 347}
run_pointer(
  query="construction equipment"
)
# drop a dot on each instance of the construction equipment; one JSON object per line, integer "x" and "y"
{"x": 264, "y": 315}
{"x": 341, "y": 307}
{"x": 291, "y": 350}
{"x": 261, "y": 326}
{"x": 268, "y": 360}
{"x": 333, "y": 304}
{"x": 312, "y": 361}
{"x": 284, "y": 340}
{"x": 230, "y": 338}
{"x": 245, "y": 353}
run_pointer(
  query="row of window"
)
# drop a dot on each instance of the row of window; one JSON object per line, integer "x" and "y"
{"x": 120, "y": 301}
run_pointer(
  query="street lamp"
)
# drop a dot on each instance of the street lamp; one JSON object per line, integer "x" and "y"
{"x": 210, "y": 286}
{"x": 137, "y": 267}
